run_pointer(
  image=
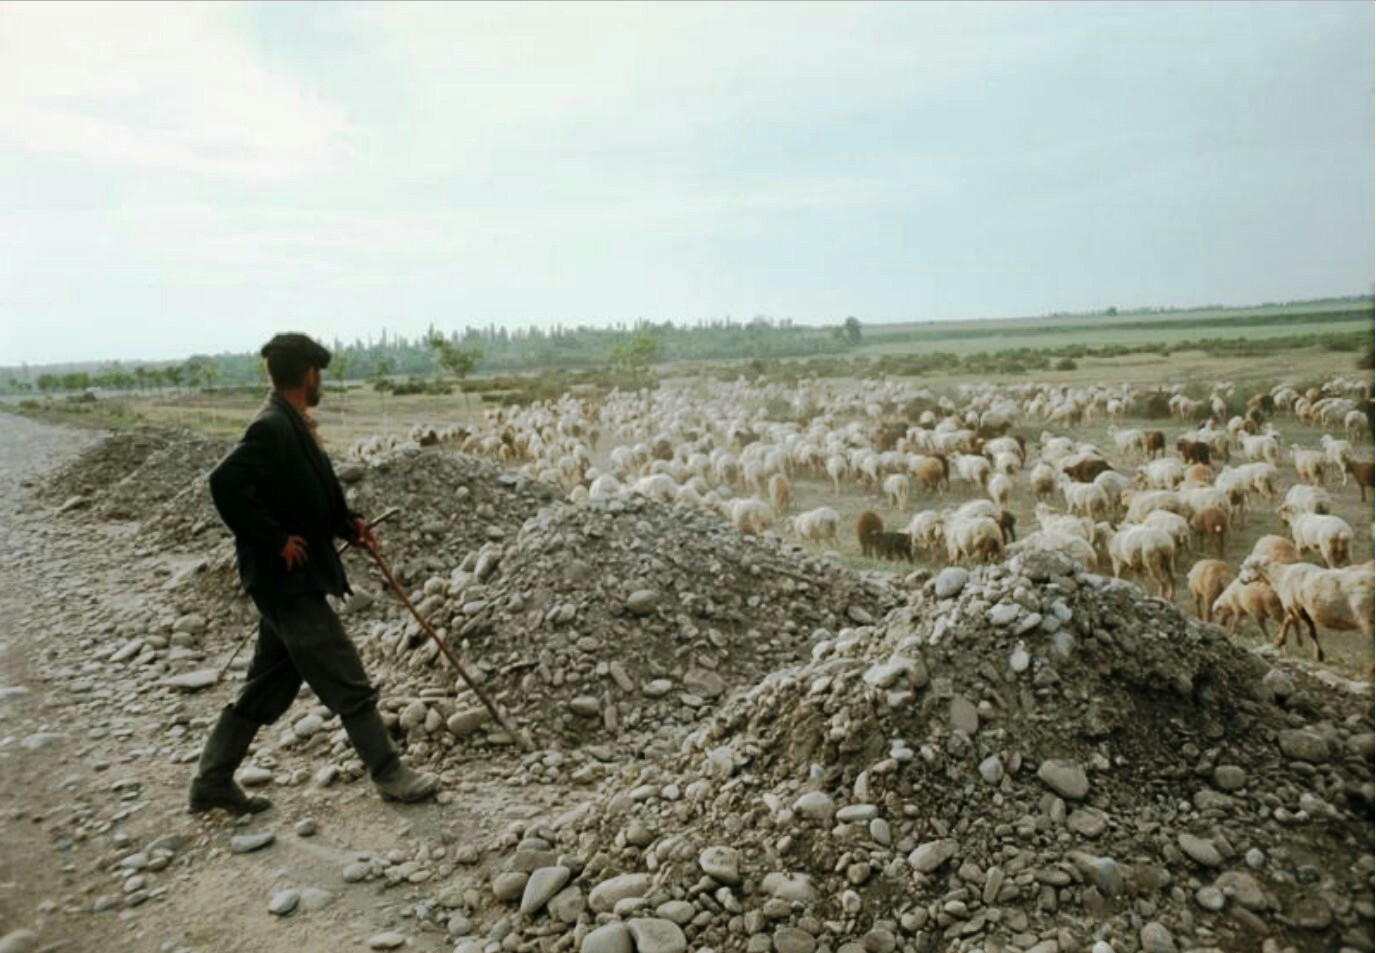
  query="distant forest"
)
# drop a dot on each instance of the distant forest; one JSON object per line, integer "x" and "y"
{"x": 492, "y": 349}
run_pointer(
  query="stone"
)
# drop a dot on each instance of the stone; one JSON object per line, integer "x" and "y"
{"x": 721, "y": 864}
{"x": 1243, "y": 888}
{"x": 609, "y": 938}
{"x": 991, "y": 769}
{"x": 464, "y": 723}
{"x": 1106, "y": 876}
{"x": 1066, "y": 778}
{"x": 1301, "y": 745}
{"x": 386, "y": 941}
{"x": 18, "y": 941}
{"x": 642, "y": 602}
{"x": 314, "y": 898}
{"x": 950, "y": 581}
{"x": 355, "y": 872}
{"x": 605, "y": 895}
{"x": 1210, "y": 898}
{"x": 307, "y": 726}
{"x": 587, "y": 706}
{"x": 793, "y": 940}
{"x": 567, "y": 905}
{"x": 1157, "y": 939}
{"x": 192, "y": 681}
{"x": 679, "y": 911}
{"x": 543, "y": 885}
{"x": 931, "y": 855}
{"x": 1199, "y": 849}
{"x": 284, "y": 902}
{"x": 857, "y": 813}
{"x": 964, "y": 715}
{"x": 654, "y": 935}
{"x": 254, "y": 776}
{"x": 306, "y": 827}
{"x": 793, "y": 888}
{"x": 1229, "y": 777}
{"x": 816, "y": 806}
{"x": 247, "y": 843}
{"x": 509, "y": 886}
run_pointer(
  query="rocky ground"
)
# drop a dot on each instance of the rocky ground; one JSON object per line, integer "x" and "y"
{"x": 736, "y": 745}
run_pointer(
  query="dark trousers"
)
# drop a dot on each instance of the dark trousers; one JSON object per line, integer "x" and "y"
{"x": 300, "y": 637}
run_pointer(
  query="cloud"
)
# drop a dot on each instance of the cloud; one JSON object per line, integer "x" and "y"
{"x": 164, "y": 87}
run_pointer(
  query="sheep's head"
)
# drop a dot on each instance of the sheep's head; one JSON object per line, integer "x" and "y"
{"x": 1254, "y": 569}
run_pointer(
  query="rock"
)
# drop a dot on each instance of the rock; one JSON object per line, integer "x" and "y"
{"x": 793, "y": 940}
{"x": 950, "y": 581}
{"x": 816, "y": 806}
{"x": 642, "y": 602}
{"x": 931, "y": 855}
{"x": 386, "y": 941}
{"x": 307, "y": 725}
{"x": 18, "y": 941}
{"x": 1210, "y": 898}
{"x": 1087, "y": 821}
{"x": 567, "y": 905}
{"x": 509, "y": 885}
{"x": 284, "y": 902}
{"x": 857, "y": 813}
{"x": 543, "y": 885}
{"x": 40, "y": 740}
{"x": 653, "y": 935}
{"x": 588, "y": 706}
{"x": 1243, "y": 888}
{"x": 606, "y": 894}
{"x": 192, "y": 681}
{"x": 355, "y": 872}
{"x": 1200, "y": 850}
{"x": 1157, "y": 939}
{"x": 793, "y": 888}
{"x": 678, "y": 911}
{"x": 306, "y": 827}
{"x": 721, "y": 864}
{"x": 247, "y": 843}
{"x": 1106, "y": 876}
{"x": 254, "y": 776}
{"x": 609, "y": 938}
{"x": 1003, "y": 613}
{"x": 1066, "y": 778}
{"x": 964, "y": 715}
{"x": 991, "y": 769}
{"x": 1229, "y": 777}
{"x": 464, "y": 723}
{"x": 314, "y": 898}
{"x": 1302, "y": 745}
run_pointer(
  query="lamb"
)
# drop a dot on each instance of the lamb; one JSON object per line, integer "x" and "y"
{"x": 1064, "y": 524}
{"x": 659, "y": 487}
{"x": 868, "y": 525}
{"x": 977, "y": 537}
{"x": 1329, "y": 536}
{"x": 1256, "y": 600}
{"x": 896, "y": 488}
{"x": 1000, "y": 490}
{"x": 1210, "y": 523}
{"x": 1043, "y": 481}
{"x": 1207, "y": 580}
{"x": 838, "y": 468}
{"x": 1309, "y": 464}
{"x": 1264, "y": 447}
{"x": 780, "y": 493}
{"x": 604, "y": 487}
{"x": 1128, "y": 440}
{"x": 817, "y": 526}
{"x": 750, "y": 515}
{"x": 1146, "y": 550}
{"x": 1363, "y": 472}
{"x": 1341, "y": 599}
{"x": 1113, "y": 482}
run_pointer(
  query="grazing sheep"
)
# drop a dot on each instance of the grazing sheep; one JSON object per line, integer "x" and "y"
{"x": 1085, "y": 469}
{"x": 1264, "y": 447}
{"x": 927, "y": 530}
{"x": 1256, "y": 600}
{"x": 1303, "y": 498}
{"x": 977, "y": 537}
{"x": 1043, "y": 481}
{"x": 1113, "y": 483}
{"x": 659, "y": 487}
{"x": 972, "y": 469}
{"x": 1064, "y": 524}
{"x": 817, "y": 526}
{"x": 868, "y": 525}
{"x": 1198, "y": 474}
{"x": 1087, "y": 499}
{"x": 1363, "y": 472}
{"x": 1341, "y": 599}
{"x": 1000, "y": 490}
{"x": 1142, "y": 502}
{"x": 1155, "y": 443}
{"x": 1276, "y": 549}
{"x": 1129, "y": 441}
{"x": 895, "y": 546}
{"x": 1207, "y": 580}
{"x": 1337, "y": 452}
{"x": 780, "y": 493}
{"x": 750, "y": 515}
{"x": 1329, "y": 536}
{"x": 1309, "y": 464}
{"x": 930, "y": 472}
{"x": 1210, "y": 523}
{"x": 1164, "y": 474}
{"x": 1356, "y": 425}
{"x": 1173, "y": 523}
{"x": 1193, "y": 451}
{"x": 1145, "y": 550}
{"x": 896, "y": 489}
{"x": 838, "y": 468}
{"x": 605, "y": 487}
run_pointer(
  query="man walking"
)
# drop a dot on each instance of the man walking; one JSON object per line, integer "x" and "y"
{"x": 278, "y": 494}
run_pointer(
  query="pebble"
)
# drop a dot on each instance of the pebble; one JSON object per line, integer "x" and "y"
{"x": 1066, "y": 778}
{"x": 385, "y": 941}
{"x": 1201, "y": 850}
{"x": 991, "y": 769}
{"x": 247, "y": 843}
{"x": 542, "y": 885}
{"x": 193, "y": 681}
{"x": 1157, "y": 939}
{"x": 642, "y": 602}
{"x": 608, "y": 938}
{"x": 931, "y": 855}
{"x": 1210, "y": 898}
{"x": 509, "y": 885}
{"x": 314, "y": 898}
{"x": 355, "y": 872}
{"x": 608, "y": 893}
{"x": 306, "y": 827}
{"x": 1303, "y": 745}
{"x": 950, "y": 581}
{"x": 284, "y": 902}
{"x": 1229, "y": 777}
{"x": 655, "y": 935}
{"x": 721, "y": 864}
{"x": 254, "y": 776}
{"x": 18, "y": 941}
{"x": 793, "y": 940}
{"x": 816, "y": 806}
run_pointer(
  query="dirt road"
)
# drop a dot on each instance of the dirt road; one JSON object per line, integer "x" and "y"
{"x": 98, "y": 850}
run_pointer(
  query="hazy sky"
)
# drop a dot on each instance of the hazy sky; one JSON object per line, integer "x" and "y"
{"x": 177, "y": 178}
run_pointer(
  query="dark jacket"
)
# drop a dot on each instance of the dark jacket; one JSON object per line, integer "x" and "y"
{"x": 277, "y": 483}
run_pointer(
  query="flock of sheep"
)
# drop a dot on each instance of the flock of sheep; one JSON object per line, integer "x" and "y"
{"x": 742, "y": 449}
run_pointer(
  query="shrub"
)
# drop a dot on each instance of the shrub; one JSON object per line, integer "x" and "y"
{"x": 1066, "y": 364}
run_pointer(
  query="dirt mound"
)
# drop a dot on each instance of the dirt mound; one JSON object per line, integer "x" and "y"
{"x": 101, "y": 466}
{"x": 615, "y": 618}
{"x": 1025, "y": 757}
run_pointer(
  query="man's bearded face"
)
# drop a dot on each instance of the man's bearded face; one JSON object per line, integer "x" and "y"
{"x": 313, "y": 387}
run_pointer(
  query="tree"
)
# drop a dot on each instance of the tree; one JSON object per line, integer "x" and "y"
{"x": 458, "y": 361}
{"x": 381, "y": 369}
{"x": 634, "y": 356}
{"x": 339, "y": 367}
{"x": 850, "y": 330}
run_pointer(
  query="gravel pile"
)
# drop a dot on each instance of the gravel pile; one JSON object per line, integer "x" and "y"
{"x": 1023, "y": 758}
{"x": 100, "y": 466}
{"x": 617, "y": 618}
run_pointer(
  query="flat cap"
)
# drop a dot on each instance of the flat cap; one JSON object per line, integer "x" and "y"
{"x": 303, "y": 346}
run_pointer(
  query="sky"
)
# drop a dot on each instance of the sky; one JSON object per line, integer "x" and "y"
{"x": 187, "y": 178}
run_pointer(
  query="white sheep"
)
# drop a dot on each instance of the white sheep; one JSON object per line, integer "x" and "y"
{"x": 1175, "y": 525}
{"x": 973, "y": 537}
{"x": 1303, "y": 498}
{"x": 1329, "y": 536}
{"x": 896, "y": 489}
{"x": 1309, "y": 464}
{"x": 1042, "y": 479}
{"x": 1075, "y": 547}
{"x": 780, "y": 493}
{"x": 1145, "y": 550}
{"x": 1341, "y": 599}
{"x": 1087, "y": 499}
{"x": 1000, "y": 489}
{"x": 817, "y": 526}
{"x": 751, "y": 515}
{"x": 1256, "y": 600}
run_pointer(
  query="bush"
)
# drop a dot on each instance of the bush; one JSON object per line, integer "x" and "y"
{"x": 1366, "y": 361}
{"x": 1066, "y": 364}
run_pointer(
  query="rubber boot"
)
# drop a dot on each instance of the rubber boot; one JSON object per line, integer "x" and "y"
{"x": 394, "y": 780}
{"x": 214, "y": 783}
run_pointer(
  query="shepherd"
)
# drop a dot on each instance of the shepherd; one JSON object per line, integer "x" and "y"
{"x": 279, "y": 496}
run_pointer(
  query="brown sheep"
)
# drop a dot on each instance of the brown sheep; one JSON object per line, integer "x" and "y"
{"x": 1362, "y": 474}
{"x": 1199, "y": 473}
{"x": 893, "y": 546}
{"x": 930, "y": 473}
{"x": 1084, "y": 471}
{"x": 868, "y": 525}
{"x": 1007, "y": 523}
{"x": 1210, "y": 523}
{"x": 1257, "y": 600}
{"x": 1207, "y": 580}
{"x": 1193, "y": 451}
{"x": 1276, "y": 549}
{"x": 1155, "y": 443}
